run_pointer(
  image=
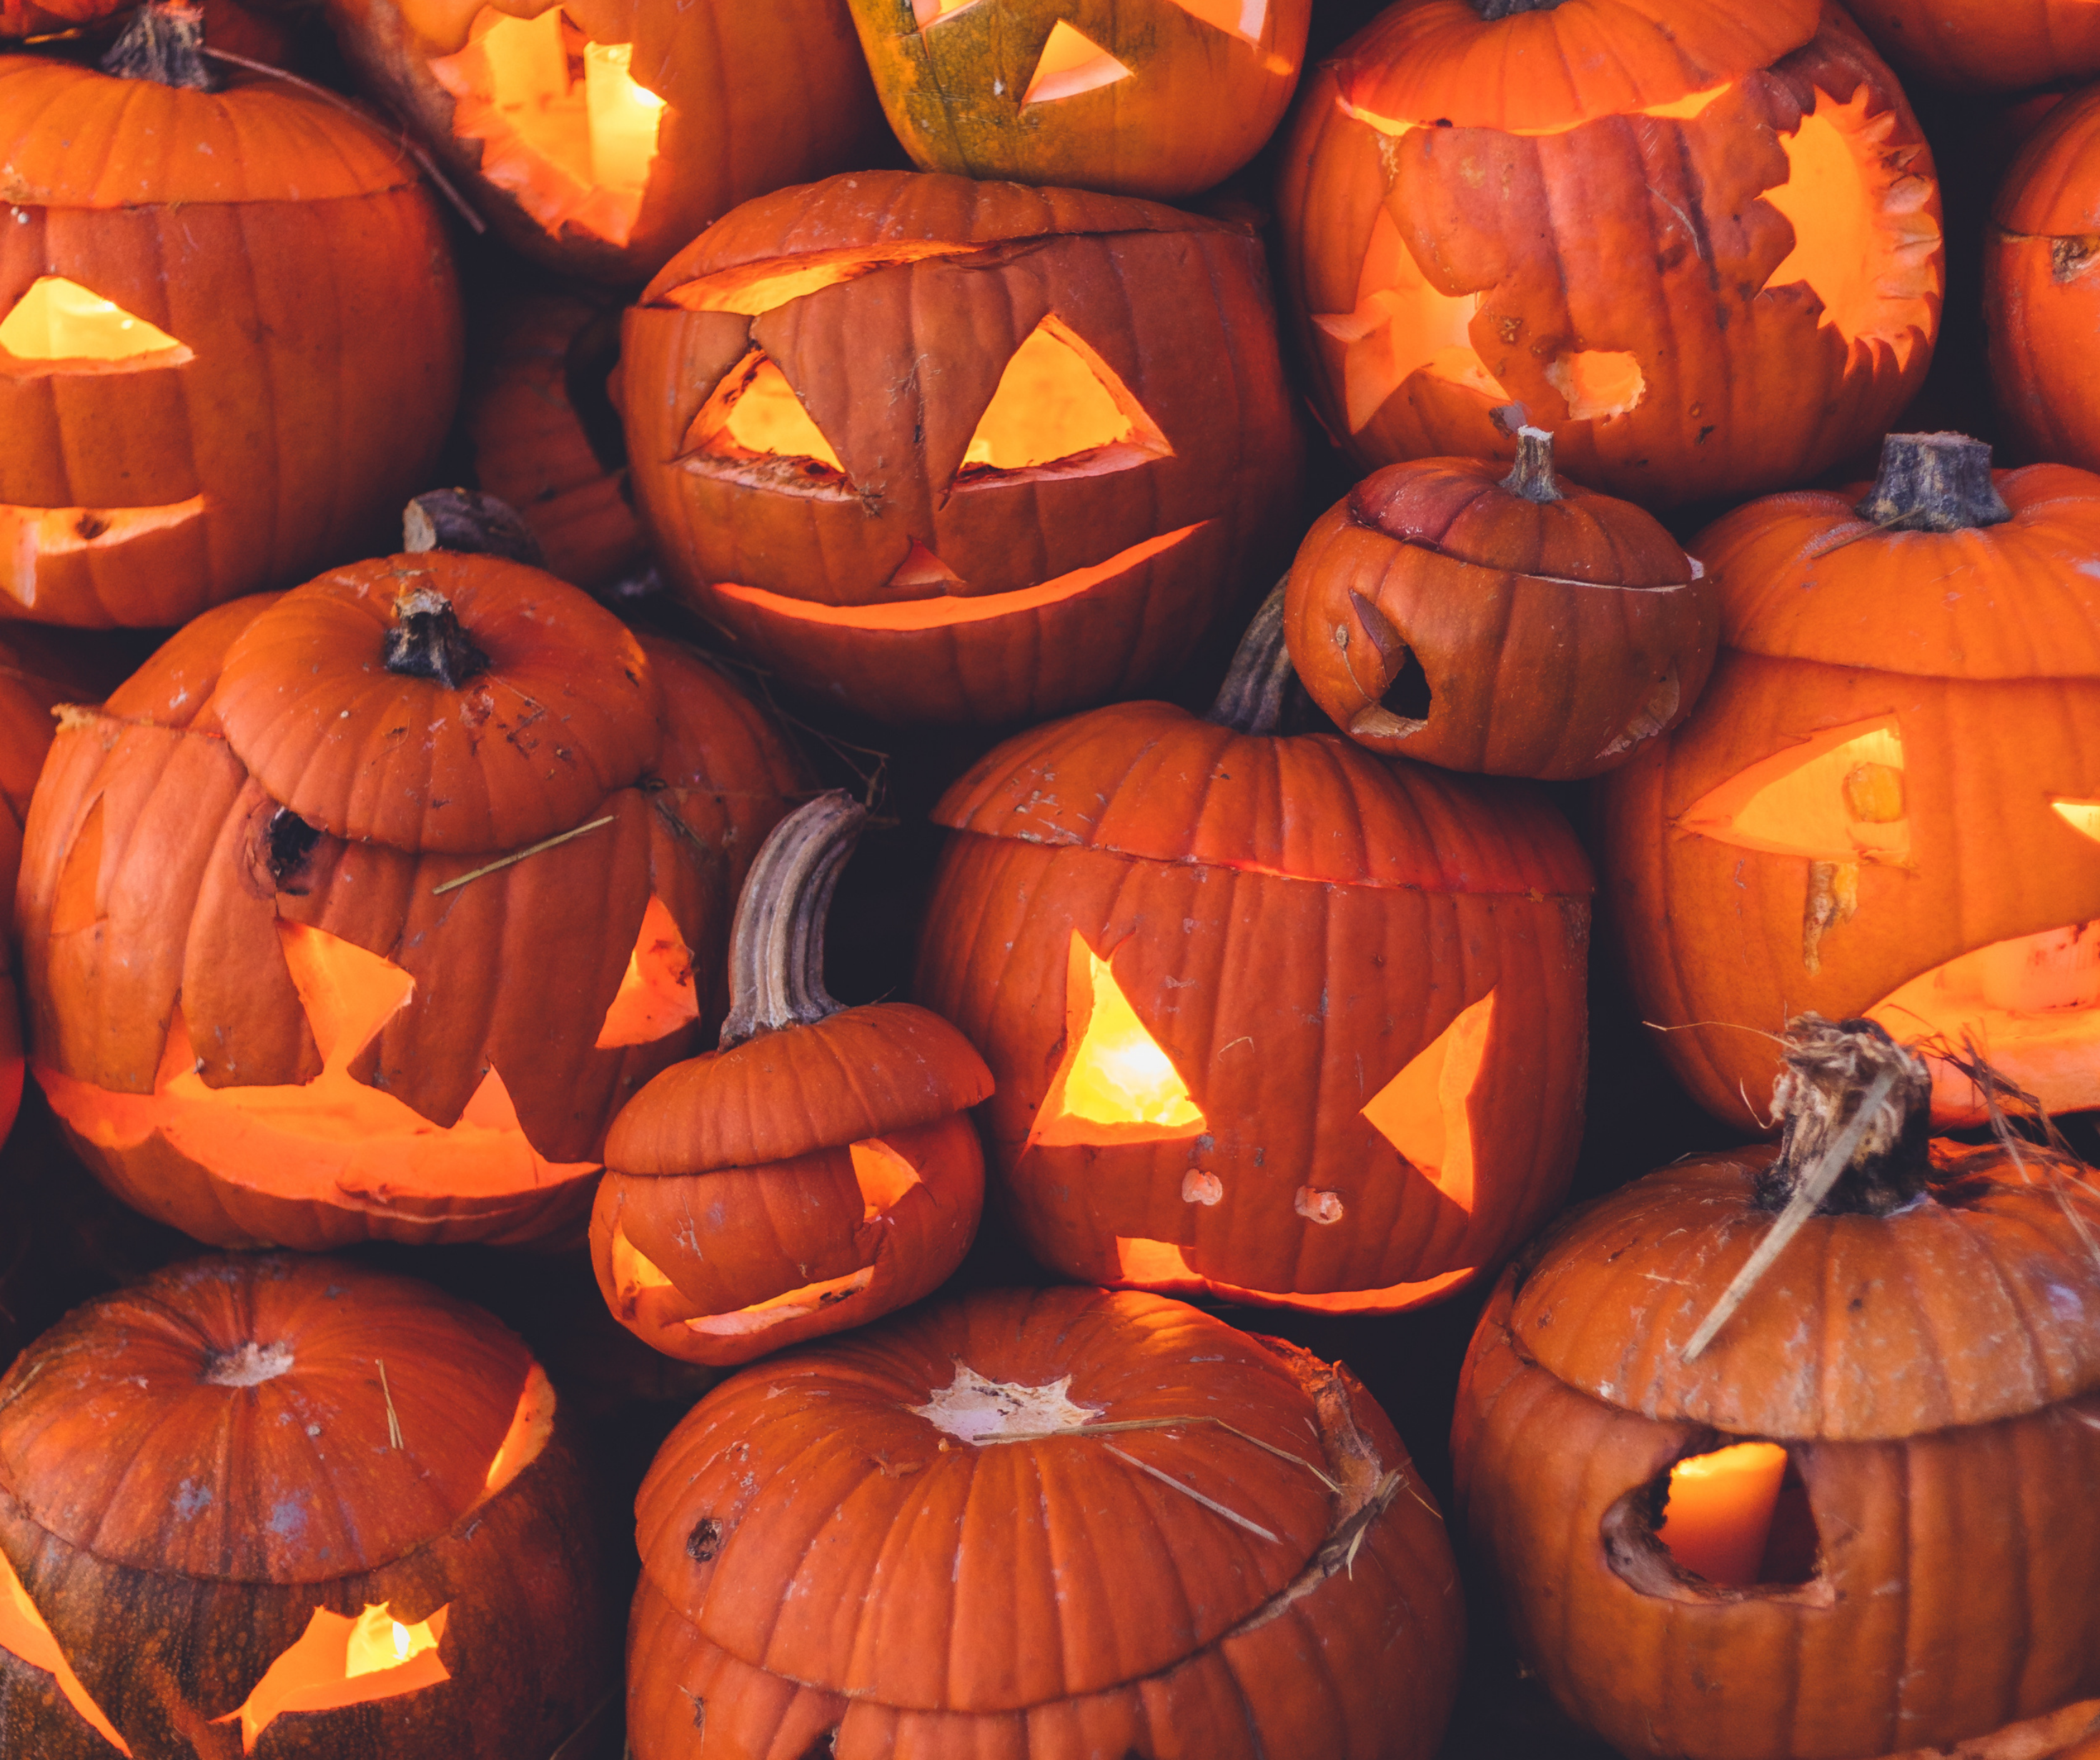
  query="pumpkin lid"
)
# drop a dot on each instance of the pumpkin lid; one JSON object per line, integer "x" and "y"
{"x": 227, "y": 1420}
{"x": 2052, "y": 189}
{"x": 1538, "y": 69}
{"x": 439, "y": 702}
{"x": 839, "y": 1514}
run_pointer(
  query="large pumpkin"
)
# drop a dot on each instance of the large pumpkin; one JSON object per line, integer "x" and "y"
{"x": 293, "y": 1507}
{"x": 183, "y": 419}
{"x": 1062, "y": 1523}
{"x": 942, "y": 450}
{"x": 1699, "y": 242}
{"x": 1159, "y": 97}
{"x": 1888, "y": 800}
{"x": 1270, "y": 1018}
{"x": 360, "y": 911}
{"x": 1859, "y": 1522}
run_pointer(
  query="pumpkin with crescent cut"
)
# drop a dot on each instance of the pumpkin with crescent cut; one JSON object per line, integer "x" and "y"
{"x": 359, "y": 911}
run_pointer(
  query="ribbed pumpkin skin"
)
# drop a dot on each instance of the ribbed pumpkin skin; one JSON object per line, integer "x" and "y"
{"x": 1198, "y": 101}
{"x": 1971, "y": 45}
{"x": 176, "y": 1564}
{"x": 150, "y": 892}
{"x": 303, "y": 422}
{"x": 1935, "y": 1374}
{"x": 1053, "y": 1601}
{"x": 1610, "y": 232}
{"x": 1292, "y": 922}
{"x": 1995, "y": 692}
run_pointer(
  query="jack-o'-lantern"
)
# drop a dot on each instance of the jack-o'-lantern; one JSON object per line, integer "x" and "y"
{"x": 181, "y": 419}
{"x": 1162, "y": 97}
{"x": 829, "y": 1148}
{"x": 1854, "y": 1519}
{"x": 1887, "y": 803}
{"x": 598, "y": 136}
{"x": 1270, "y": 1018}
{"x": 1061, "y": 1523}
{"x": 1699, "y": 242}
{"x": 290, "y": 1507}
{"x": 1517, "y": 625}
{"x": 1996, "y": 45}
{"x": 359, "y": 912}
{"x": 942, "y": 451}
{"x": 2041, "y": 297}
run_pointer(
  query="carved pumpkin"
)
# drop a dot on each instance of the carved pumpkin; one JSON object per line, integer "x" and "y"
{"x": 1522, "y": 626}
{"x": 181, "y": 419}
{"x": 942, "y": 450}
{"x": 1969, "y": 44}
{"x": 290, "y": 1507}
{"x": 598, "y": 136}
{"x": 1861, "y": 1522}
{"x": 359, "y": 912}
{"x": 1700, "y": 244}
{"x": 1270, "y": 1018}
{"x": 828, "y": 1147}
{"x": 1160, "y": 1535}
{"x": 1160, "y": 98}
{"x": 1888, "y": 800}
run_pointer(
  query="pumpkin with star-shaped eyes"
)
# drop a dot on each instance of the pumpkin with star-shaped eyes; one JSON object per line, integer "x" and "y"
{"x": 1887, "y": 803}
{"x": 1698, "y": 242}
{"x": 943, "y": 451}
{"x": 291, "y": 1506}
{"x": 360, "y": 911}
{"x": 1162, "y": 98}
{"x": 1270, "y": 1018}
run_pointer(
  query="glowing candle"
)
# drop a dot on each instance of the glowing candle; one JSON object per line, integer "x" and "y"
{"x": 1719, "y": 1510}
{"x": 622, "y": 114}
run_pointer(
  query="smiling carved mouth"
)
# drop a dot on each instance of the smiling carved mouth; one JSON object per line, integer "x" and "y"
{"x": 31, "y": 536}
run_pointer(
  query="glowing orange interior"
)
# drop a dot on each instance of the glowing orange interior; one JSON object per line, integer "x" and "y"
{"x": 341, "y": 1660}
{"x": 1719, "y": 1511}
{"x": 884, "y": 1177}
{"x": 23, "y": 1634}
{"x": 1597, "y": 382}
{"x": 1692, "y": 104}
{"x": 1058, "y": 399}
{"x": 1071, "y": 64}
{"x": 1838, "y": 796}
{"x": 1115, "y": 1085}
{"x": 777, "y": 1310}
{"x": 754, "y": 413}
{"x": 530, "y": 1426}
{"x": 1426, "y": 1111}
{"x": 31, "y": 537}
{"x": 1239, "y": 18}
{"x": 756, "y": 288}
{"x": 59, "y": 320}
{"x": 1163, "y": 1265}
{"x": 657, "y": 996}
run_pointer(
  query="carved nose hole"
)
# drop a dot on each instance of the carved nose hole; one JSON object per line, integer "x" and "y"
{"x": 1727, "y": 1519}
{"x": 1408, "y": 695}
{"x": 288, "y": 840}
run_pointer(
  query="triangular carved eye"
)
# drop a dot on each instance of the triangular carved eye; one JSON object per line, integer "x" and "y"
{"x": 23, "y": 1634}
{"x": 1116, "y": 1085}
{"x": 1837, "y": 797}
{"x": 1072, "y": 63}
{"x": 349, "y": 992}
{"x": 657, "y": 996}
{"x": 1240, "y": 18}
{"x": 755, "y": 413}
{"x": 1059, "y": 407}
{"x": 342, "y": 1660}
{"x": 2083, "y": 816}
{"x": 1425, "y": 1111}
{"x": 58, "y": 319}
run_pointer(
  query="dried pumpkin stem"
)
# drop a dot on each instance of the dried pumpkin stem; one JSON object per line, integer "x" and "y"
{"x": 163, "y": 43}
{"x": 470, "y": 522}
{"x": 776, "y": 954}
{"x": 1937, "y": 482}
{"x": 426, "y": 640}
{"x": 1532, "y": 476}
{"x": 1250, "y": 701}
{"x": 1492, "y": 10}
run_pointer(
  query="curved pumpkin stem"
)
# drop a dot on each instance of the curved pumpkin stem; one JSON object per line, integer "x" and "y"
{"x": 1532, "y": 476}
{"x": 163, "y": 43}
{"x": 776, "y": 951}
{"x": 1250, "y": 701}
{"x": 1934, "y": 483}
{"x": 426, "y": 640}
{"x": 471, "y": 523}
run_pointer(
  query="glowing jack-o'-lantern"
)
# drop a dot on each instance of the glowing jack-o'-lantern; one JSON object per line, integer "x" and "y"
{"x": 172, "y": 435}
{"x": 1885, "y": 803}
{"x": 1699, "y": 244}
{"x": 359, "y": 912}
{"x": 1162, "y": 98}
{"x": 1885, "y": 1452}
{"x": 1333, "y": 1125}
{"x": 600, "y": 135}
{"x": 263, "y": 1505}
{"x": 942, "y": 451}
{"x": 831, "y": 1198}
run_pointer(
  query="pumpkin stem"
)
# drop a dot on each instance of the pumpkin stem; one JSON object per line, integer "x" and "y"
{"x": 1532, "y": 475}
{"x": 776, "y": 950}
{"x": 1492, "y": 10}
{"x": 426, "y": 640}
{"x": 470, "y": 522}
{"x": 1934, "y": 483}
{"x": 1250, "y": 701}
{"x": 1830, "y": 1069}
{"x": 163, "y": 43}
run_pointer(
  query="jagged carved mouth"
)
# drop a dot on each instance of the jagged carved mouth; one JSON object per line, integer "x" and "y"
{"x": 32, "y": 538}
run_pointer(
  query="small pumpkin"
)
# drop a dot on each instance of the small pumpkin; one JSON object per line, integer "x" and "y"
{"x": 1060, "y": 1522}
{"x": 828, "y": 1147}
{"x": 1518, "y": 625}
{"x": 291, "y": 1506}
{"x": 1858, "y": 1522}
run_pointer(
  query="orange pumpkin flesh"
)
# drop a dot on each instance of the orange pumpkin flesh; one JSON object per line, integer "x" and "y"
{"x": 1165, "y": 1585}
{"x": 827, "y": 1146}
{"x": 245, "y": 1496}
{"x": 1932, "y": 1372}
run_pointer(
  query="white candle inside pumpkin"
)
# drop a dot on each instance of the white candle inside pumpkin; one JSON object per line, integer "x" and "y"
{"x": 623, "y": 117}
{"x": 1719, "y": 1511}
